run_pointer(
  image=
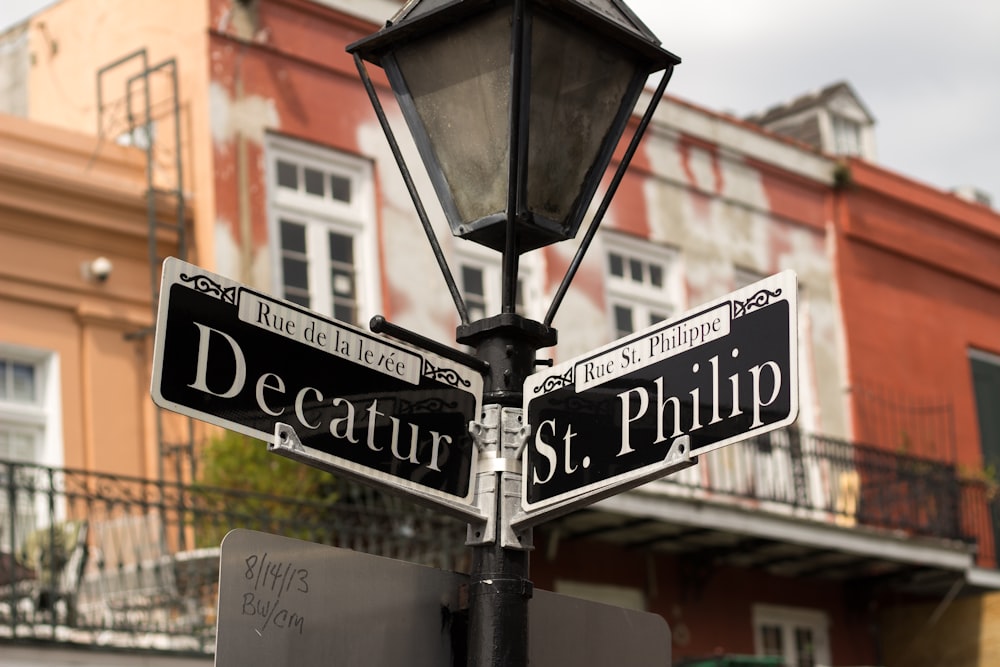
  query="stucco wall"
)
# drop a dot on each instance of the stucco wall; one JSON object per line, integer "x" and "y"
{"x": 727, "y": 198}
{"x": 60, "y": 208}
{"x": 14, "y": 70}
{"x": 70, "y": 41}
{"x": 920, "y": 288}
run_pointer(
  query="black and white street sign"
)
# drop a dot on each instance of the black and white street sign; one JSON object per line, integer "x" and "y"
{"x": 642, "y": 406}
{"x": 381, "y": 411}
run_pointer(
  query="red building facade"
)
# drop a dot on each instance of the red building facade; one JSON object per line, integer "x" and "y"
{"x": 919, "y": 277}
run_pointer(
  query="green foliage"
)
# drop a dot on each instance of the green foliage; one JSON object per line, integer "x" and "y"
{"x": 235, "y": 461}
{"x": 265, "y": 492}
{"x": 842, "y": 178}
{"x": 984, "y": 476}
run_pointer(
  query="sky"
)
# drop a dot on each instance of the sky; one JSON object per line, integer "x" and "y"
{"x": 928, "y": 70}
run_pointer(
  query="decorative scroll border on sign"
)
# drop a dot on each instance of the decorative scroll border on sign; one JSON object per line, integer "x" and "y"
{"x": 758, "y": 300}
{"x": 554, "y": 382}
{"x": 445, "y": 375}
{"x": 208, "y": 286}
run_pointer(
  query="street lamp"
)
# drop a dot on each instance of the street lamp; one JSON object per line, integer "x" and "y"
{"x": 516, "y": 108}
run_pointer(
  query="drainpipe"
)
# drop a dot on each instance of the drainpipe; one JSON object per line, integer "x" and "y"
{"x": 243, "y": 192}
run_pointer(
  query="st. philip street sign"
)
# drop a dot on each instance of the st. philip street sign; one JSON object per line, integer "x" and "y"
{"x": 645, "y": 405}
{"x": 383, "y": 412}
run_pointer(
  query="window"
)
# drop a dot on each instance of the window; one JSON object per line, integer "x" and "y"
{"x": 18, "y": 382}
{"x": 473, "y": 287}
{"x": 644, "y": 283}
{"x": 30, "y": 424}
{"x": 846, "y": 135}
{"x": 479, "y": 279}
{"x": 986, "y": 385}
{"x": 798, "y": 636}
{"x": 322, "y": 217}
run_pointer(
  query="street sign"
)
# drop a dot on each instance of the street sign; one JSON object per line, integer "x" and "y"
{"x": 374, "y": 409}
{"x": 645, "y": 405}
{"x": 288, "y": 602}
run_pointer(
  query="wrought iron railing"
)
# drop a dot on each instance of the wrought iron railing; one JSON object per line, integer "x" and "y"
{"x": 93, "y": 558}
{"x": 839, "y": 482}
{"x": 98, "y": 559}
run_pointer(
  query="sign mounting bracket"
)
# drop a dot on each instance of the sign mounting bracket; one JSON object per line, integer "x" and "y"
{"x": 285, "y": 438}
{"x": 500, "y": 440}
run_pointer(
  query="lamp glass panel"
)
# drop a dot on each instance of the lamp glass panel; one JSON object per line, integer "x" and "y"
{"x": 459, "y": 80}
{"x": 578, "y": 84}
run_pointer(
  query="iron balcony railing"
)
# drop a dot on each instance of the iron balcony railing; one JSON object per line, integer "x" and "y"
{"x": 835, "y": 481}
{"x": 91, "y": 558}
{"x": 100, "y": 559}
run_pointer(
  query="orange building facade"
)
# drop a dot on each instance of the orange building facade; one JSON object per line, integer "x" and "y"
{"x": 75, "y": 279}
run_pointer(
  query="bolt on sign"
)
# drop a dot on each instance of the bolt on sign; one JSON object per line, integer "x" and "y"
{"x": 384, "y": 412}
{"x": 633, "y": 410}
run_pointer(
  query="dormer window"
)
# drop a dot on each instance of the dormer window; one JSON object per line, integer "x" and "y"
{"x": 846, "y": 135}
{"x": 833, "y": 120}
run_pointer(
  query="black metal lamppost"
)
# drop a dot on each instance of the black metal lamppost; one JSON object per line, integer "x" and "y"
{"x": 516, "y": 108}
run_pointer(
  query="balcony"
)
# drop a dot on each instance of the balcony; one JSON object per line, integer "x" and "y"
{"x": 96, "y": 559}
{"x": 103, "y": 560}
{"x": 828, "y": 480}
{"x": 799, "y": 505}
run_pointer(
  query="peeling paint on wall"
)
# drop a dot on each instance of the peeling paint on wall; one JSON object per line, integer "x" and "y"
{"x": 227, "y": 254}
{"x": 250, "y": 116}
{"x": 703, "y": 171}
{"x": 418, "y": 298}
{"x": 716, "y": 206}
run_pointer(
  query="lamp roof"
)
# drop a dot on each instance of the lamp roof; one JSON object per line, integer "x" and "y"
{"x": 612, "y": 18}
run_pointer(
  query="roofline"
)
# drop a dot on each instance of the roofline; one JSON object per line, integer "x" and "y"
{"x": 918, "y": 194}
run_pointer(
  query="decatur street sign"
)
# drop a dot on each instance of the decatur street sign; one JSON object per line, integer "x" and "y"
{"x": 375, "y": 409}
{"x": 644, "y": 405}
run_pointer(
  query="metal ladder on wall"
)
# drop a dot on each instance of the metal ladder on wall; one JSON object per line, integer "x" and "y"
{"x": 151, "y": 100}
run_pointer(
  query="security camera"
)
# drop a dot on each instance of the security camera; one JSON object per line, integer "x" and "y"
{"x": 99, "y": 269}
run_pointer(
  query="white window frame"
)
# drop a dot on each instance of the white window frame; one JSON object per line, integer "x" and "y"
{"x": 983, "y": 357}
{"x": 848, "y": 135}
{"x": 44, "y": 417}
{"x": 321, "y": 215}
{"x": 489, "y": 261}
{"x": 644, "y": 300}
{"x": 789, "y": 619}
